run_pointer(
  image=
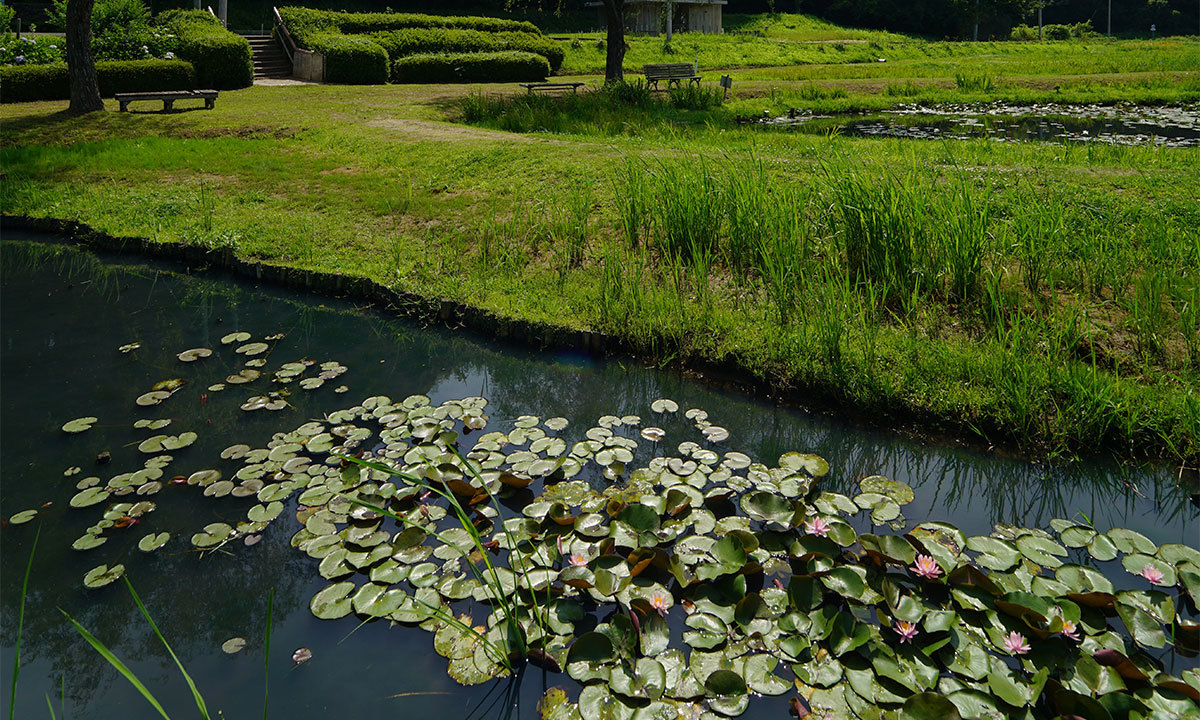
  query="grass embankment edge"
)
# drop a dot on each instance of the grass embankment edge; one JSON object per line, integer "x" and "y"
{"x": 728, "y": 373}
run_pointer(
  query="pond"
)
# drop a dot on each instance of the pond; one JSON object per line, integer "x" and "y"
{"x": 1003, "y": 122}
{"x": 65, "y": 316}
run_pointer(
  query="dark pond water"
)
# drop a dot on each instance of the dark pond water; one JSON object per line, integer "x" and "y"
{"x": 63, "y": 315}
{"x": 1162, "y": 126}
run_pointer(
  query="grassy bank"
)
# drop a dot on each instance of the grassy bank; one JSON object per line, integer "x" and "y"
{"x": 1037, "y": 293}
{"x": 884, "y": 55}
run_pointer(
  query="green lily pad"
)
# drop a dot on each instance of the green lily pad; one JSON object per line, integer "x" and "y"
{"x": 194, "y": 354}
{"x": 814, "y": 465}
{"x": 233, "y": 645}
{"x": 154, "y": 397}
{"x": 153, "y": 541}
{"x": 333, "y": 601}
{"x": 22, "y": 517}
{"x": 79, "y": 425}
{"x": 88, "y": 540}
{"x": 102, "y": 575}
{"x": 88, "y": 497}
{"x": 896, "y": 490}
{"x": 235, "y": 337}
{"x": 663, "y": 405}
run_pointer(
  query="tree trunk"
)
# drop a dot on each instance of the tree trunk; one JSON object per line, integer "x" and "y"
{"x": 614, "y": 11}
{"x": 85, "y": 89}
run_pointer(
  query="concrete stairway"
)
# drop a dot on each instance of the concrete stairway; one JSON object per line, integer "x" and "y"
{"x": 270, "y": 61}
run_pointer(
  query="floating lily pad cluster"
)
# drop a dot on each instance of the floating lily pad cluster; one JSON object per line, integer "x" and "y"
{"x": 151, "y": 477}
{"x": 583, "y": 552}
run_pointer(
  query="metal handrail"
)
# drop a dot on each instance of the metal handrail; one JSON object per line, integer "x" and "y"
{"x": 284, "y": 37}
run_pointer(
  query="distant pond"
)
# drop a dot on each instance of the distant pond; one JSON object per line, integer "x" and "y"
{"x": 1176, "y": 127}
{"x": 102, "y": 341}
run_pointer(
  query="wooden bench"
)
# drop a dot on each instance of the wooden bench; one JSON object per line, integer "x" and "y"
{"x": 673, "y": 73}
{"x": 169, "y": 97}
{"x": 551, "y": 87}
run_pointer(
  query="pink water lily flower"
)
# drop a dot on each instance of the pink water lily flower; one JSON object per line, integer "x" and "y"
{"x": 906, "y": 630}
{"x": 1015, "y": 643}
{"x": 661, "y": 602}
{"x": 1070, "y": 630}
{"x": 926, "y": 568}
{"x": 577, "y": 560}
{"x": 817, "y": 527}
{"x": 1153, "y": 574}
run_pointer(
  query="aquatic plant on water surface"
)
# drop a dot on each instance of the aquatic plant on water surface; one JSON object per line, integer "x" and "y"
{"x": 671, "y": 577}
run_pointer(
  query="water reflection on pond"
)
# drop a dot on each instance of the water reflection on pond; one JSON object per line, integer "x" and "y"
{"x": 63, "y": 315}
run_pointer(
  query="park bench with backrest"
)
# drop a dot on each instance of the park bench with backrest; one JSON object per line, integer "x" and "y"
{"x": 673, "y": 73}
{"x": 168, "y": 98}
{"x": 551, "y": 86}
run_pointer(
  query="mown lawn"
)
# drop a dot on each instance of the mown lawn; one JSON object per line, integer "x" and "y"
{"x": 1071, "y": 326}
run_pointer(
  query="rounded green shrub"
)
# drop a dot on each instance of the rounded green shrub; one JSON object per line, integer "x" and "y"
{"x": 508, "y": 66}
{"x": 351, "y": 60}
{"x": 25, "y": 83}
{"x": 222, "y": 59}
{"x": 400, "y": 43}
{"x": 300, "y": 20}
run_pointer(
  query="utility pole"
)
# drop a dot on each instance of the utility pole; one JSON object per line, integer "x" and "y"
{"x": 975, "y": 36}
{"x": 1110, "y": 18}
{"x": 670, "y": 12}
{"x": 1039, "y": 20}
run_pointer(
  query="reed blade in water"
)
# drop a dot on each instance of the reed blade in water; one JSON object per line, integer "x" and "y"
{"x": 116, "y": 663}
{"x": 12, "y": 699}
{"x": 195, "y": 692}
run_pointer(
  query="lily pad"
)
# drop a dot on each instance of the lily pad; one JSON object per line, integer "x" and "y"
{"x": 233, "y": 645}
{"x": 235, "y": 337}
{"x": 251, "y": 349}
{"x": 152, "y": 542}
{"x": 91, "y": 496}
{"x": 102, "y": 575}
{"x": 22, "y": 517}
{"x": 194, "y": 354}
{"x": 79, "y": 425}
{"x": 814, "y": 465}
{"x": 664, "y": 405}
{"x": 154, "y": 397}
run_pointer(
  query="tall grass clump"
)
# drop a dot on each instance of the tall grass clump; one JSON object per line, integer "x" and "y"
{"x": 749, "y": 208}
{"x": 963, "y": 239}
{"x": 631, "y": 188}
{"x": 694, "y": 97}
{"x": 687, "y": 210}
{"x": 479, "y": 107}
{"x": 983, "y": 83}
{"x": 883, "y": 230}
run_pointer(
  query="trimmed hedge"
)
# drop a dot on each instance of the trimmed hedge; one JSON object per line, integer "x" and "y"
{"x": 360, "y": 47}
{"x": 471, "y": 67}
{"x": 351, "y": 59}
{"x": 222, "y": 59}
{"x": 400, "y": 43}
{"x": 24, "y": 83}
{"x": 301, "y": 20}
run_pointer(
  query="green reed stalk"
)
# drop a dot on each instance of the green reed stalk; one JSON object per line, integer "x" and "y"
{"x": 195, "y": 692}
{"x": 117, "y": 664}
{"x": 515, "y": 634}
{"x": 16, "y": 672}
{"x": 501, "y": 657}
